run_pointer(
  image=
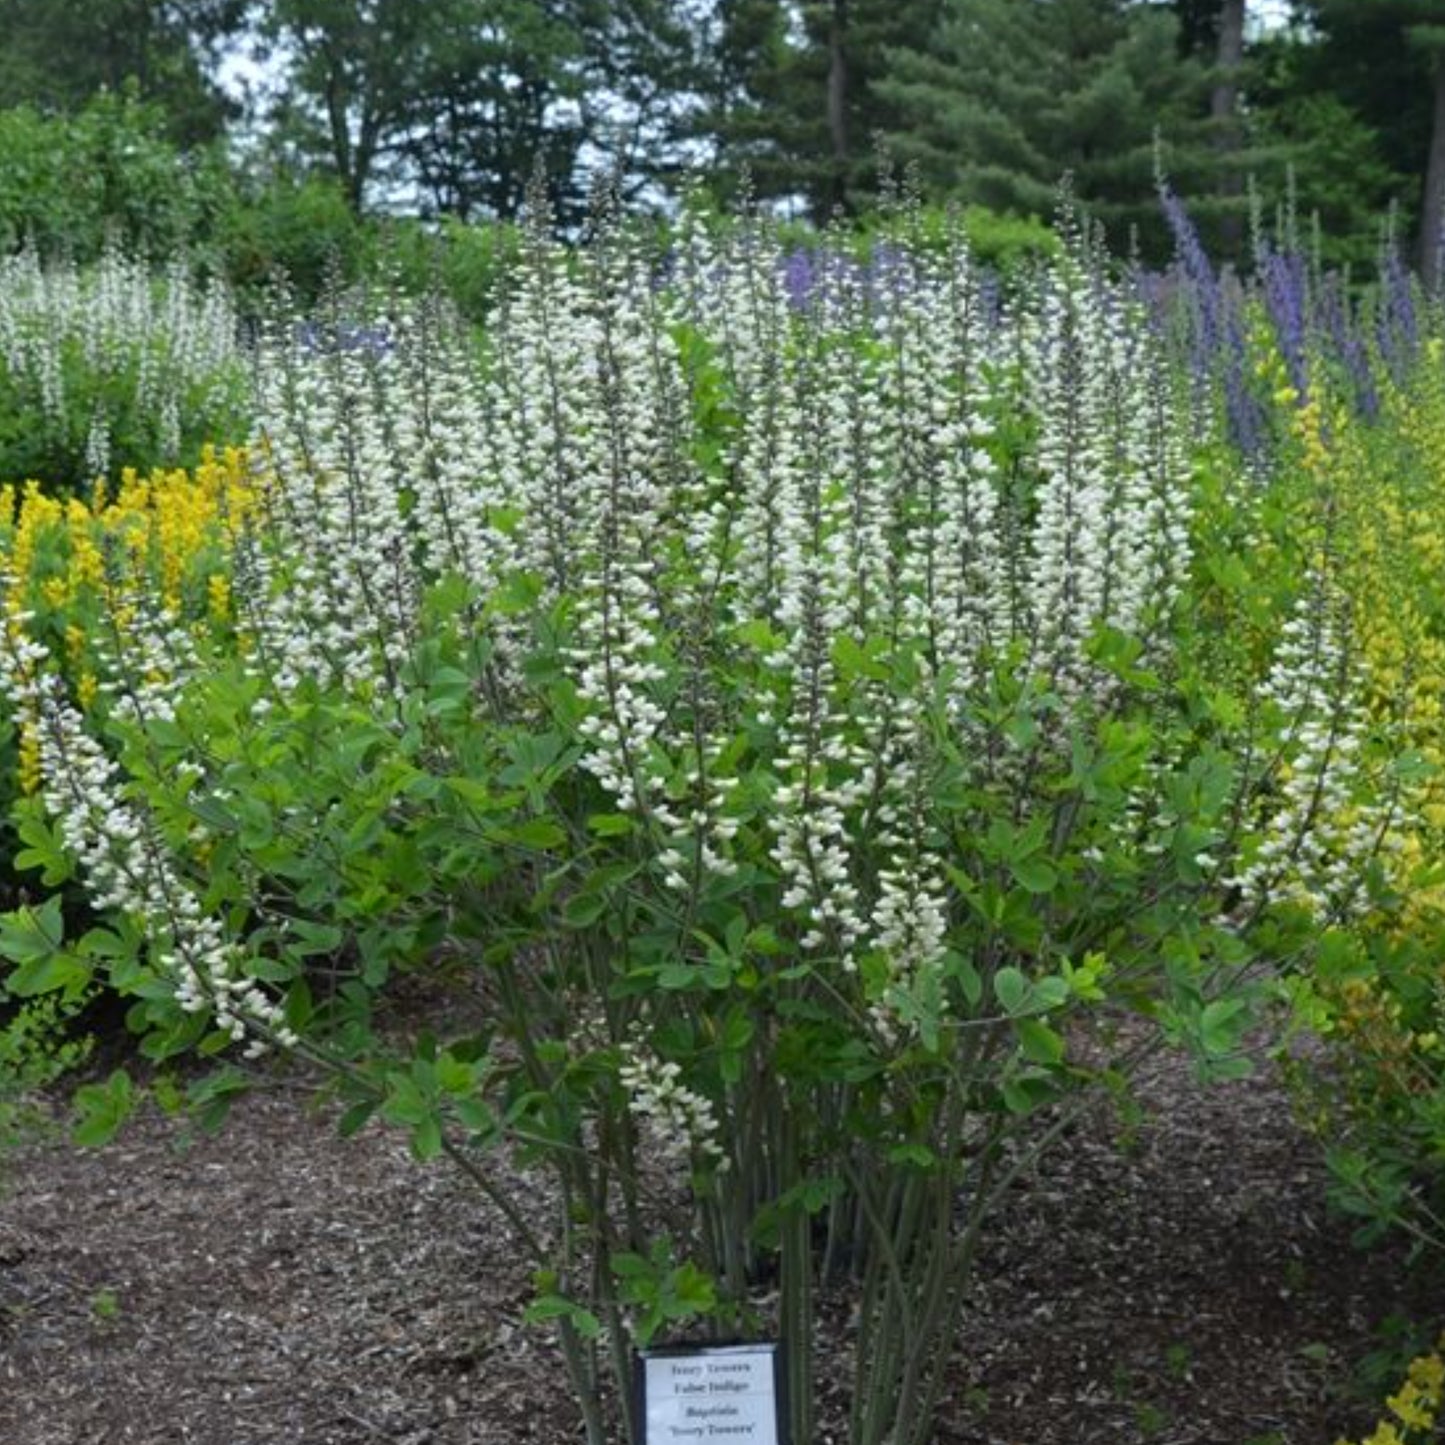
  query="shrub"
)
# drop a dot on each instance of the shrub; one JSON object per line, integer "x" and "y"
{"x": 798, "y": 726}
{"x": 1378, "y": 997}
{"x": 71, "y": 185}
{"x": 301, "y": 230}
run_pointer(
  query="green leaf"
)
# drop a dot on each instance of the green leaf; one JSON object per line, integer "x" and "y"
{"x": 1024, "y": 1094}
{"x": 44, "y": 849}
{"x": 554, "y": 1307}
{"x": 426, "y": 1138}
{"x": 309, "y": 938}
{"x": 356, "y": 1118}
{"x": 518, "y": 594}
{"x": 1035, "y": 874}
{"x": 1012, "y": 990}
{"x": 610, "y": 825}
{"x": 28, "y": 935}
{"x": 966, "y": 975}
{"x": 455, "y": 1076}
{"x": 405, "y": 1102}
{"x": 631, "y": 1266}
{"x": 689, "y": 1292}
{"x": 541, "y": 834}
{"x": 61, "y": 970}
{"x": 853, "y": 661}
{"x": 1222, "y": 1024}
{"x": 257, "y": 829}
{"x": 920, "y": 1156}
{"x": 582, "y": 910}
{"x": 759, "y": 636}
{"x": 1040, "y": 1044}
{"x": 102, "y": 1109}
{"x": 812, "y": 1196}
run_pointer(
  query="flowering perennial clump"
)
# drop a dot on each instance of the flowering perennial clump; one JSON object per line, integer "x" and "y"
{"x": 114, "y": 365}
{"x": 126, "y": 862}
{"x": 779, "y": 708}
{"x": 1327, "y": 823}
{"x": 681, "y": 1120}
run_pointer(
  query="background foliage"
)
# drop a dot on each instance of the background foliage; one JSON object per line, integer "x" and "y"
{"x": 450, "y": 109}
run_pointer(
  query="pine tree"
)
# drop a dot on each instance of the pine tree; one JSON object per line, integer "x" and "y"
{"x": 807, "y": 109}
{"x": 1010, "y": 96}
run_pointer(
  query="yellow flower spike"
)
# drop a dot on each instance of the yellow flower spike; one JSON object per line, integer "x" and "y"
{"x": 28, "y": 747}
{"x": 1406, "y": 1406}
{"x": 1428, "y": 1372}
{"x": 218, "y": 595}
{"x": 1384, "y": 1434}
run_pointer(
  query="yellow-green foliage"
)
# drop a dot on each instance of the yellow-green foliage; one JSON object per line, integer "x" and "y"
{"x": 1366, "y": 501}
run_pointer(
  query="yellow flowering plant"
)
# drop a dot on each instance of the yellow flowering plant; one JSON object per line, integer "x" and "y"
{"x": 1366, "y": 498}
{"x": 72, "y": 562}
{"x": 1414, "y": 1411}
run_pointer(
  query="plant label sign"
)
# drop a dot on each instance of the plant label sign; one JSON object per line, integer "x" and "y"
{"x": 713, "y": 1395}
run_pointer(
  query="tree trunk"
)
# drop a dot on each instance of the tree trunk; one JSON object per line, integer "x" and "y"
{"x": 1224, "y": 112}
{"x": 1432, "y": 212}
{"x": 838, "y": 101}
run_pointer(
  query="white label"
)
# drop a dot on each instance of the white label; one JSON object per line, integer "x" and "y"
{"x": 722, "y": 1398}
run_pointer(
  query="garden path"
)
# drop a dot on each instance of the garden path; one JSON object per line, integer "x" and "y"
{"x": 275, "y": 1285}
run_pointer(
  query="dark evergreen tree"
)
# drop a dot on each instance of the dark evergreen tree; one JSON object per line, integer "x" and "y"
{"x": 1386, "y": 59}
{"x": 1009, "y": 96}
{"x": 1198, "y": 27}
{"x": 744, "y": 122}
{"x": 1224, "y": 116}
{"x": 56, "y": 54}
{"x": 1309, "y": 142}
{"x": 806, "y": 110}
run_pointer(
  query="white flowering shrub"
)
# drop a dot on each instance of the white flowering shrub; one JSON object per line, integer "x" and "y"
{"x": 109, "y": 366}
{"x": 781, "y": 719}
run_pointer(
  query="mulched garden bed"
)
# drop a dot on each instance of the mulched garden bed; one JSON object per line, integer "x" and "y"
{"x": 276, "y": 1284}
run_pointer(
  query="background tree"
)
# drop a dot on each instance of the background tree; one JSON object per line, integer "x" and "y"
{"x": 352, "y": 79}
{"x": 643, "y": 73}
{"x": 1306, "y": 140}
{"x": 1198, "y": 26}
{"x": 56, "y": 54}
{"x": 1385, "y": 60}
{"x": 460, "y": 100}
{"x": 1224, "y": 115}
{"x": 1005, "y": 99}
{"x": 501, "y": 88}
{"x": 812, "y": 101}
{"x": 742, "y": 122}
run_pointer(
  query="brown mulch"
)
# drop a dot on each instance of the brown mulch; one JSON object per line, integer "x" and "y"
{"x": 277, "y": 1284}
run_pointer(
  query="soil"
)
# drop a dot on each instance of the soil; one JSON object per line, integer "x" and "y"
{"x": 1180, "y": 1285}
